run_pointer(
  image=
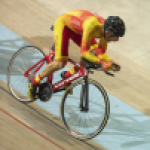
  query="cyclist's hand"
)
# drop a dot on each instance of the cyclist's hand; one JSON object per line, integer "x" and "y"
{"x": 110, "y": 66}
{"x": 116, "y": 67}
{"x": 107, "y": 65}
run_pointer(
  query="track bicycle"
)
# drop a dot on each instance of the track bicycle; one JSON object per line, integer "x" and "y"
{"x": 84, "y": 106}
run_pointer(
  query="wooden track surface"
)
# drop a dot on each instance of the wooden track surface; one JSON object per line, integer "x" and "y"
{"x": 28, "y": 126}
{"x": 31, "y": 20}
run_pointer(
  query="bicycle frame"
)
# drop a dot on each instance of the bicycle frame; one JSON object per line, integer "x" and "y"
{"x": 57, "y": 86}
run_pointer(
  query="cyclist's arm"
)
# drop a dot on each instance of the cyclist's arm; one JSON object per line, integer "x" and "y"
{"x": 101, "y": 52}
{"x": 89, "y": 31}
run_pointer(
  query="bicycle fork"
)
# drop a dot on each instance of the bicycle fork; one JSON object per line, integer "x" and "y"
{"x": 84, "y": 95}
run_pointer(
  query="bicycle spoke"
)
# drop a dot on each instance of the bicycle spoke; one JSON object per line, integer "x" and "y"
{"x": 72, "y": 107}
{"x": 90, "y": 122}
{"x": 19, "y": 69}
{"x": 80, "y": 118}
{"x": 72, "y": 116}
{"x": 21, "y": 63}
{"x": 73, "y": 97}
{"x": 85, "y": 124}
{"x": 19, "y": 89}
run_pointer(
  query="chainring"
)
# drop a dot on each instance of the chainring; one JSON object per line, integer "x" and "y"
{"x": 45, "y": 92}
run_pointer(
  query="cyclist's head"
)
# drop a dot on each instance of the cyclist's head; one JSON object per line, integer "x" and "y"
{"x": 115, "y": 26}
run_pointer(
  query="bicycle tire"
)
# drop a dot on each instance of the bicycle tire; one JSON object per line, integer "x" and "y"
{"x": 14, "y": 90}
{"x": 80, "y": 135}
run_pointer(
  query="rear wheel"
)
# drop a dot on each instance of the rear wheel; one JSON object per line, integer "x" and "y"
{"x": 85, "y": 124}
{"x": 21, "y": 61}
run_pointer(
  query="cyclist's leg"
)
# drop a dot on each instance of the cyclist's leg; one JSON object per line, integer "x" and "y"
{"x": 61, "y": 36}
{"x": 61, "y": 56}
{"x": 76, "y": 39}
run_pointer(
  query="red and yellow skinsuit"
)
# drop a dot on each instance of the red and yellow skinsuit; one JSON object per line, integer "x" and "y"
{"x": 82, "y": 27}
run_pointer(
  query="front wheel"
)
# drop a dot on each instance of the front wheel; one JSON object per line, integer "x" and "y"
{"x": 85, "y": 124}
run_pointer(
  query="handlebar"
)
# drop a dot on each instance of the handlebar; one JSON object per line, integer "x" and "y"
{"x": 90, "y": 65}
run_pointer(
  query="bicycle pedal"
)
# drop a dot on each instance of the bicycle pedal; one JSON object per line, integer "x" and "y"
{"x": 45, "y": 92}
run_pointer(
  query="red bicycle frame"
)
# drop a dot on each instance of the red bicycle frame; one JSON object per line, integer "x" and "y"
{"x": 49, "y": 58}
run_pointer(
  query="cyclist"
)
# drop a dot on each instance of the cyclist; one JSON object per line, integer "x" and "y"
{"x": 82, "y": 27}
